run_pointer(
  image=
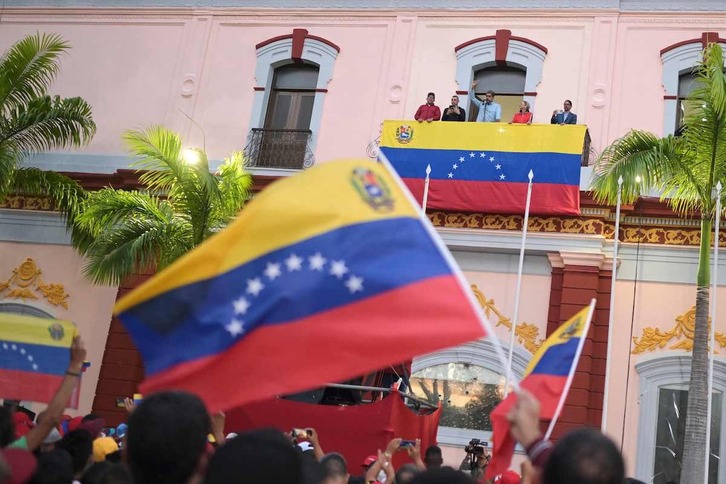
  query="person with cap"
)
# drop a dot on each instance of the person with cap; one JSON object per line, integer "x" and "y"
{"x": 102, "y": 447}
{"x": 49, "y": 442}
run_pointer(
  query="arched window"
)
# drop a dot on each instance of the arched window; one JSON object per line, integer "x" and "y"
{"x": 508, "y": 84}
{"x": 663, "y": 402}
{"x": 24, "y": 309}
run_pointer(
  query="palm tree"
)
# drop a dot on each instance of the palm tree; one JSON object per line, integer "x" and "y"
{"x": 124, "y": 232}
{"x": 686, "y": 169}
{"x": 32, "y": 122}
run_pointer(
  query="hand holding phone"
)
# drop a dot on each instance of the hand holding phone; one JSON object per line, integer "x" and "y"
{"x": 407, "y": 443}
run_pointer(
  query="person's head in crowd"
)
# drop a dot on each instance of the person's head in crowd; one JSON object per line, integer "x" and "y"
{"x": 93, "y": 424}
{"x": 368, "y": 462}
{"x": 432, "y": 457}
{"x": 49, "y": 442}
{"x": 22, "y": 423}
{"x": 16, "y": 465}
{"x": 406, "y": 473}
{"x": 489, "y": 97}
{"x": 567, "y": 105}
{"x": 167, "y": 438}
{"x": 430, "y": 98}
{"x": 454, "y": 100}
{"x": 54, "y": 467}
{"x": 74, "y": 423}
{"x": 443, "y": 475}
{"x": 584, "y": 456}
{"x": 524, "y": 107}
{"x": 7, "y": 427}
{"x": 102, "y": 447}
{"x": 107, "y": 473}
{"x": 79, "y": 444}
{"x": 336, "y": 469}
{"x": 255, "y": 457}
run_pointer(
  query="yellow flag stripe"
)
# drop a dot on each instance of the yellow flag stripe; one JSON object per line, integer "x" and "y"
{"x": 556, "y": 338}
{"x": 536, "y": 138}
{"x": 33, "y": 330}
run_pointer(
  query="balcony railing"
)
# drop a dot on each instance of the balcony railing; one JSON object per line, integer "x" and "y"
{"x": 279, "y": 148}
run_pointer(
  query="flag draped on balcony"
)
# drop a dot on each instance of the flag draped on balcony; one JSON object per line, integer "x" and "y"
{"x": 324, "y": 276}
{"x": 483, "y": 167}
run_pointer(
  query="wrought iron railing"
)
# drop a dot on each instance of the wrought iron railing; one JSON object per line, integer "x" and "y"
{"x": 279, "y": 148}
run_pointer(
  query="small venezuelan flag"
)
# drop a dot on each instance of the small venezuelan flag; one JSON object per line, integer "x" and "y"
{"x": 322, "y": 277}
{"x": 548, "y": 377}
{"x": 34, "y": 356}
{"x": 484, "y": 166}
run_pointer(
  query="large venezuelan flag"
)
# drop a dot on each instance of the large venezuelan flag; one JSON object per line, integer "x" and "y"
{"x": 483, "y": 167}
{"x": 324, "y": 275}
{"x": 548, "y": 377}
{"x": 34, "y": 356}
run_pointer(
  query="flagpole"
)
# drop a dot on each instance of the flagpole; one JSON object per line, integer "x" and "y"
{"x": 571, "y": 375}
{"x": 611, "y": 317}
{"x": 484, "y": 320}
{"x": 515, "y": 317}
{"x": 712, "y": 344}
{"x": 426, "y": 189}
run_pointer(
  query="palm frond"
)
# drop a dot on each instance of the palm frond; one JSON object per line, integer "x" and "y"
{"x": 234, "y": 184}
{"x": 643, "y": 160}
{"x": 9, "y": 160}
{"x": 66, "y": 194}
{"x": 28, "y": 68}
{"x": 48, "y": 123}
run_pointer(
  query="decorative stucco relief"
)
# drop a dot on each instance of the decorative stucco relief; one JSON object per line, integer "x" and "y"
{"x": 25, "y": 278}
{"x": 527, "y": 333}
{"x": 680, "y": 336}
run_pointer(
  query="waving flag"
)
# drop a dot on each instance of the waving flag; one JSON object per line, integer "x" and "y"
{"x": 34, "y": 356}
{"x": 548, "y": 377}
{"x": 323, "y": 276}
{"x": 483, "y": 166}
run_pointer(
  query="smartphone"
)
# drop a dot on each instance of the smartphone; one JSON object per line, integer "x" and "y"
{"x": 300, "y": 434}
{"x": 407, "y": 443}
{"x": 120, "y": 403}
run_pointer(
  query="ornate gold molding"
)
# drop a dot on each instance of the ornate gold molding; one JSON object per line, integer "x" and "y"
{"x": 27, "y": 275}
{"x": 21, "y": 202}
{"x": 653, "y": 338}
{"x": 527, "y": 333}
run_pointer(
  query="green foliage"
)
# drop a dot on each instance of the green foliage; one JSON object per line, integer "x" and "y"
{"x": 32, "y": 122}
{"x": 182, "y": 205}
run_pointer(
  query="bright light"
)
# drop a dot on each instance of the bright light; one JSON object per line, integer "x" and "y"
{"x": 638, "y": 179}
{"x": 191, "y": 156}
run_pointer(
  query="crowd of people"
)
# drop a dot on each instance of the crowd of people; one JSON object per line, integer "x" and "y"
{"x": 489, "y": 111}
{"x": 170, "y": 438}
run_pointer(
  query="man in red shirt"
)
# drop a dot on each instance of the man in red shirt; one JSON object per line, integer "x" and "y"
{"x": 428, "y": 112}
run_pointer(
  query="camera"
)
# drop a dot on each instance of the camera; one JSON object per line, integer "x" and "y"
{"x": 475, "y": 447}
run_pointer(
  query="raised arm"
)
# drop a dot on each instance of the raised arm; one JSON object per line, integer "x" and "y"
{"x": 472, "y": 95}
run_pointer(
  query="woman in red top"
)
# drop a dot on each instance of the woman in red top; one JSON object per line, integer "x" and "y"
{"x": 523, "y": 116}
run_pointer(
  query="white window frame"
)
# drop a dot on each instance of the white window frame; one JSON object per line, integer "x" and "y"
{"x": 478, "y": 353}
{"x": 676, "y": 62}
{"x": 669, "y": 370}
{"x": 279, "y": 53}
{"x": 481, "y": 55}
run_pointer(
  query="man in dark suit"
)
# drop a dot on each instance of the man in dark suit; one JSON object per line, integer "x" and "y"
{"x": 564, "y": 117}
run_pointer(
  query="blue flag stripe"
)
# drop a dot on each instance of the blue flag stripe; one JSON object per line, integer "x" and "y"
{"x": 557, "y": 360}
{"x": 49, "y": 360}
{"x": 285, "y": 285}
{"x": 555, "y": 168}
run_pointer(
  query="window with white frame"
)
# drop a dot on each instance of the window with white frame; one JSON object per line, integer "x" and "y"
{"x": 661, "y": 426}
{"x": 507, "y": 83}
{"x": 468, "y": 381}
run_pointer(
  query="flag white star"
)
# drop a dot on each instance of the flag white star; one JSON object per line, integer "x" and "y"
{"x": 471, "y": 155}
{"x": 5, "y": 346}
{"x": 451, "y": 175}
{"x": 14, "y": 348}
{"x": 338, "y": 269}
{"x": 491, "y": 158}
{"x": 22, "y": 351}
{"x": 35, "y": 367}
{"x": 254, "y": 286}
{"x": 317, "y": 262}
{"x": 501, "y": 177}
{"x": 498, "y": 167}
{"x": 235, "y": 327}
{"x": 455, "y": 166}
{"x": 293, "y": 263}
{"x": 461, "y": 159}
{"x": 354, "y": 284}
{"x": 30, "y": 358}
{"x": 482, "y": 155}
{"x": 272, "y": 271}
{"x": 501, "y": 130}
{"x": 241, "y": 306}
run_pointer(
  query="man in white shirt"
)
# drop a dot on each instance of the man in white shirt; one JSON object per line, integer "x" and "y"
{"x": 489, "y": 111}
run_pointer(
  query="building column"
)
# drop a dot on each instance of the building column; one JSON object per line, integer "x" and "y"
{"x": 576, "y": 279}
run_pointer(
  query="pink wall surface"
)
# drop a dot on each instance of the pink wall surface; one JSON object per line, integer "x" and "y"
{"x": 89, "y": 306}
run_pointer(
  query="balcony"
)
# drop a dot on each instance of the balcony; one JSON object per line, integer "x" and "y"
{"x": 279, "y": 148}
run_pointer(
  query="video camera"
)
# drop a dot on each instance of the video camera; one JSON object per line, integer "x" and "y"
{"x": 476, "y": 447}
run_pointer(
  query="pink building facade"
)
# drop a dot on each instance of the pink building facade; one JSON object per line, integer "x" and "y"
{"x": 247, "y": 73}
